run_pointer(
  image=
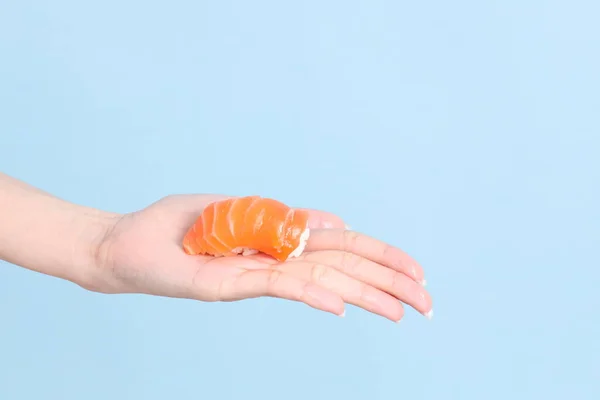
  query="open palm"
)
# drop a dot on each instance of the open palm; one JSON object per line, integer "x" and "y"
{"x": 143, "y": 254}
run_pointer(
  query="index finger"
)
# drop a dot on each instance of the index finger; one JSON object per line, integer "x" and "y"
{"x": 366, "y": 247}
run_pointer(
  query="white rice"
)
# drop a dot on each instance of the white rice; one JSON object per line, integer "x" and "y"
{"x": 246, "y": 251}
{"x": 302, "y": 245}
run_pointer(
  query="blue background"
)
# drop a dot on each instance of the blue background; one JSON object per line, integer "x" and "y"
{"x": 465, "y": 132}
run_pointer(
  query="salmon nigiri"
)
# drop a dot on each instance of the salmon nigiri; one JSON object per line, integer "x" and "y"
{"x": 248, "y": 225}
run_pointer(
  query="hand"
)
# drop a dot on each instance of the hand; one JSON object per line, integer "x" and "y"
{"x": 142, "y": 253}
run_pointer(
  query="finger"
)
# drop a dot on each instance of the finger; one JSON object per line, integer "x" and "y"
{"x": 274, "y": 283}
{"x": 366, "y": 247}
{"x": 351, "y": 290}
{"x": 324, "y": 220}
{"x": 194, "y": 204}
{"x": 317, "y": 219}
{"x": 393, "y": 282}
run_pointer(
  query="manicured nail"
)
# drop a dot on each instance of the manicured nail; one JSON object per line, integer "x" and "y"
{"x": 343, "y": 314}
{"x": 429, "y": 314}
{"x": 423, "y": 283}
{"x": 348, "y": 228}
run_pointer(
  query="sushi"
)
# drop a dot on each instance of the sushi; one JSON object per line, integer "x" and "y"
{"x": 248, "y": 225}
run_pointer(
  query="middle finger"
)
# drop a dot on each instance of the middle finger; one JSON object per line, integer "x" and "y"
{"x": 351, "y": 290}
{"x": 366, "y": 247}
{"x": 386, "y": 279}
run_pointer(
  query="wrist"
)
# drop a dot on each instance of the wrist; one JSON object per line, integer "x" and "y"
{"x": 52, "y": 236}
{"x": 90, "y": 261}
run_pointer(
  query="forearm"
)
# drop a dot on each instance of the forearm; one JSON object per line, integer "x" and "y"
{"x": 46, "y": 234}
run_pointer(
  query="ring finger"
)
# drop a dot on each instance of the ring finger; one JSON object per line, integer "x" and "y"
{"x": 386, "y": 279}
{"x": 366, "y": 247}
{"x": 351, "y": 290}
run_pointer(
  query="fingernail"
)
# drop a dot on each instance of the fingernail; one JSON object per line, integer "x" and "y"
{"x": 348, "y": 228}
{"x": 423, "y": 283}
{"x": 429, "y": 314}
{"x": 343, "y": 314}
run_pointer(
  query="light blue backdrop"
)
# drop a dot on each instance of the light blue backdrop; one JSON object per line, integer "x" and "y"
{"x": 465, "y": 132}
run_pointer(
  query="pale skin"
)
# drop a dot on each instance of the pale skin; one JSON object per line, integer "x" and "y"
{"x": 141, "y": 252}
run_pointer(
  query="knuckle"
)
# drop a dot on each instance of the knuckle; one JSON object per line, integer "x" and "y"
{"x": 304, "y": 293}
{"x": 363, "y": 291}
{"x": 318, "y": 273}
{"x": 387, "y": 252}
{"x": 395, "y": 284}
{"x": 349, "y": 241}
{"x": 350, "y": 262}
